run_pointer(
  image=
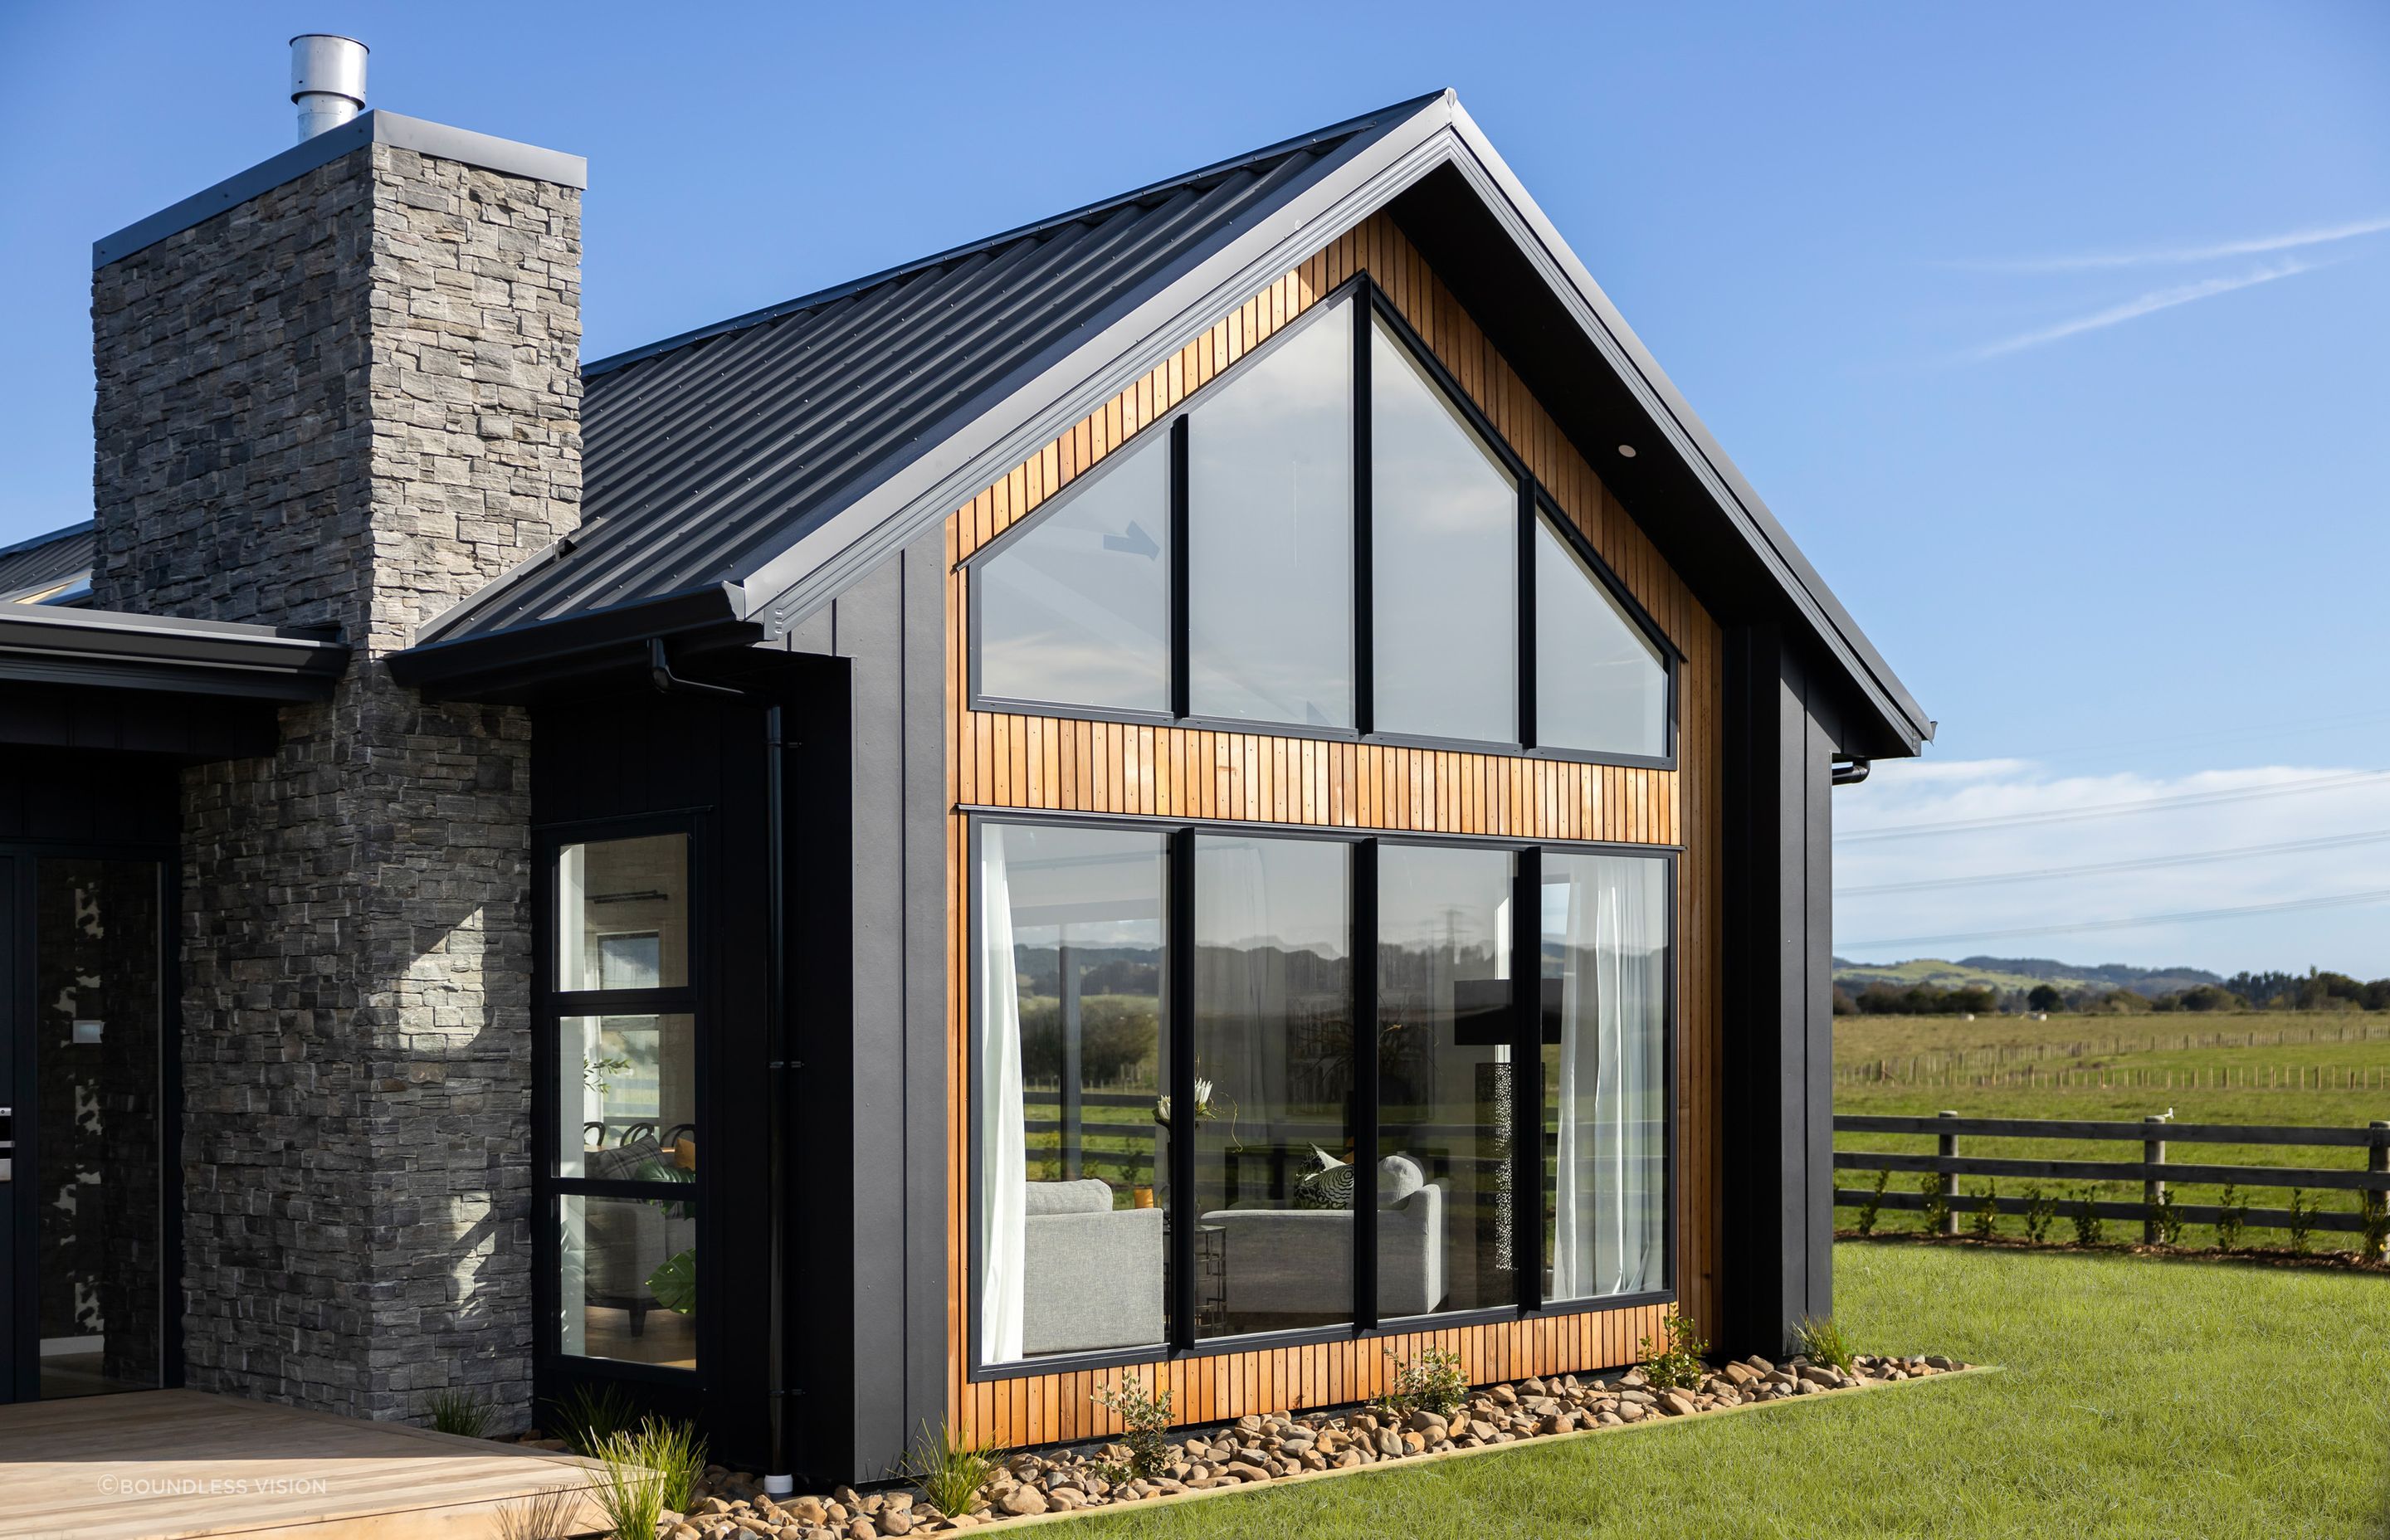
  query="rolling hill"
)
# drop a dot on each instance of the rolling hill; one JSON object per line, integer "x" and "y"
{"x": 2019, "y": 973}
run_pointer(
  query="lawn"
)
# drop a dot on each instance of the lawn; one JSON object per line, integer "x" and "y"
{"x": 2138, "y": 1397}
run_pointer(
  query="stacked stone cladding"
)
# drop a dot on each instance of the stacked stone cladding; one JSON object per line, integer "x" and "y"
{"x": 352, "y": 400}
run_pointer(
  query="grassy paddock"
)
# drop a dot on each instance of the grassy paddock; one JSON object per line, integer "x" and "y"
{"x": 2140, "y": 1398}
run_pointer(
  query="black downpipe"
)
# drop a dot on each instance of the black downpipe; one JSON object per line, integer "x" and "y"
{"x": 1852, "y": 771}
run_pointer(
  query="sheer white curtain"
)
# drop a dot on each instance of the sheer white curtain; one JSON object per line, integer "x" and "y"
{"x": 1607, "y": 1187}
{"x": 1004, "y": 1162}
{"x": 1626, "y": 1111}
{"x": 1240, "y": 1042}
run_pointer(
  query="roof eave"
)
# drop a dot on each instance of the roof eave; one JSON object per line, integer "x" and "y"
{"x": 108, "y": 649}
{"x": 516, "y": 662}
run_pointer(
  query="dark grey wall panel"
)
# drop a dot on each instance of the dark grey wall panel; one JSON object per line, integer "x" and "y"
{"x": 1778, "y": 1071}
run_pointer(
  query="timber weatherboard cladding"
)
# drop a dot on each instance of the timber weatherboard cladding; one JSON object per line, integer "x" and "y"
{"x": 1018, "y": 761}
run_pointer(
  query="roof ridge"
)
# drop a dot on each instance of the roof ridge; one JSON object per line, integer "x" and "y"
{"x": 36, "y": 540}
{"x": 1196, "y": 178}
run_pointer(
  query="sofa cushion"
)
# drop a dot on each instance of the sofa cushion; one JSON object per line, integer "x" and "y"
{"x": 1398, "y": 1178}
{"x": 1090, "y": 1195}
{"x": 625, "y": 1162}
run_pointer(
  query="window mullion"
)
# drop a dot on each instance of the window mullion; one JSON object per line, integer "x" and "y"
{"x": 1525, "y": 670}
{"x": 1178, "y": 930}
{"x": 1527, "y": 1078}
{"x": 1181, "y": 542}
{"x": 1365, "y": 1084}
{"x": 1363, "y": 579}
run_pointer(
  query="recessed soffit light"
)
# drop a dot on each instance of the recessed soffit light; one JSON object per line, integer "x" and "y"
{"x": 1626, "y": 451}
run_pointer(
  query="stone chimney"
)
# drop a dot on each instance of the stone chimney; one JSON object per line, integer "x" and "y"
{"x": 343, "y": 389}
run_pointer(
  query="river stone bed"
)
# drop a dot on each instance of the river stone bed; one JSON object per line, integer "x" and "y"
{"x": 1254, "y": 1450}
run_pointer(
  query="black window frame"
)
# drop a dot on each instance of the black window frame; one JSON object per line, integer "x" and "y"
{"x": 1534, "y": 501}
{"x": 551, "y": 1006}
{"x": 1527, "y": 1091}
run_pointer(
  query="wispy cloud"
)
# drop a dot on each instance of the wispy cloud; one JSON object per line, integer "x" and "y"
{"x": 2156, "y": 300}
{"x": 2252, "y": 246}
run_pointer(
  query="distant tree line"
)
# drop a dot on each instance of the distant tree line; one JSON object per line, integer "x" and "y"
{"x": 2314, "y": 990}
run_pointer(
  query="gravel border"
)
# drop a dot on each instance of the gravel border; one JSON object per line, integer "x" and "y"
{"x": 1032, "y": 1487}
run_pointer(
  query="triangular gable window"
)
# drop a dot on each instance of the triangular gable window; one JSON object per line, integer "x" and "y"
{"x": 1601, "y": 684}
{"x": 1233, "y": 564}
{"x": 1074, "y": 607}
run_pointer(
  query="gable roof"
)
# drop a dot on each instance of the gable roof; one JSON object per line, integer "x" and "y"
{"x": 737, "y": 477}
{"x": 49, "y": 566}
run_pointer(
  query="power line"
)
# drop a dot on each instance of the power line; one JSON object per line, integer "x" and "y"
{"x": 2375, "y": 895}
{"x": 2146, "y": 863}
{"x": 2268, "y": 733}
{"x": 2105, "y": 809}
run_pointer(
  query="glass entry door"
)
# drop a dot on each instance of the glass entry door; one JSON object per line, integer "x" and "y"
{"x": 83, "y": 1267}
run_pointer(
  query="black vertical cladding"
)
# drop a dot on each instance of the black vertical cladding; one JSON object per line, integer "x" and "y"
{"x": 869, "y": 1019}
{"x": 1776, "y": 1090}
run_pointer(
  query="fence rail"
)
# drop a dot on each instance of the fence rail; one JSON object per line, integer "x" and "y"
{"x": 2152, "y": 1170}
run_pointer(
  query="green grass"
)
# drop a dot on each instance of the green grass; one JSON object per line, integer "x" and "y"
{"x": 2139, "y": 1398}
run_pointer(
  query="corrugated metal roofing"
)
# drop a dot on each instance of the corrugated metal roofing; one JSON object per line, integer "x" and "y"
{"x": 706, "y": 456}
{"x": 59, "y": 559}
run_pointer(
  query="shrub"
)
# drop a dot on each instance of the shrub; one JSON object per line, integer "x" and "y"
{"x": 1147, "y": 1420}
{"x": 2231, "y": 1215}
{"x": 2166, "y": 1219}
{"x": 949, "y": 1471}
{"x": 1936, "y": 1191}
{"x": 1678, "y": 1365}
{"x": 2376, "y": 1216}
{"x": 1822, "y": 1342}
{"x": 1874, "y": 1207}
{"x": 674, "y": 1451}
{"x": 628, "y": 1491}
{"x": 1987, "y": 1212}
{"x": 2303, "y": 1215}
{"x": 1117, "y": 1033}
{"x": 2040, "y": 1213}
{"x": 551, "y": 1514}
{"x": 460, "y": 1412}
{"x": 587, "y": 1417}
{"x": 1431, "y": 1382}
{"x": 2090, "y": 1229}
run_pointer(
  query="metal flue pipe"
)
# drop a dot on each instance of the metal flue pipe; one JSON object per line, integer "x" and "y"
{"x": 328, "y": 81}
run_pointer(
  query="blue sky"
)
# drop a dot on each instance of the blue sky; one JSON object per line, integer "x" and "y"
{"x": 2056, "y": 335}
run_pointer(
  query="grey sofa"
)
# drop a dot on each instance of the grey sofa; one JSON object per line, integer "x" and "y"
{"x": 1299, "y": 1262}
{"x": 1092, "y": 1273}
{"x": 626, "y": 1242}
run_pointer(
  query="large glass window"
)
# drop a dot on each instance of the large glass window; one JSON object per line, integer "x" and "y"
{"x": 1081, "y": 606}
{"x": 1445, "y": 1088}
{"x": 1602, "y": 686}
{"x": 1270, "y": 534}
{"x": 1274, "y": 1085}
{"x": 1605, "y": 990}
{"x": 1075, "y": 609}
{"x": 624, "y": 1169}
{"x": 1292, "y": 1054}
{"x": 1444, "y": 540}
{"x": 1070, "y": 1105}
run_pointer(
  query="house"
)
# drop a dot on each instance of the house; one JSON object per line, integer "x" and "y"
{"x": 1225, "y": 787}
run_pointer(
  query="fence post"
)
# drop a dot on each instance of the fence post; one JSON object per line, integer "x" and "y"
{"x": 1073, "y": 1036}
{"x": 1949, "y": 1151}
{"x": 2152, "y": 1185}
{"x": 2377, "y": 1155}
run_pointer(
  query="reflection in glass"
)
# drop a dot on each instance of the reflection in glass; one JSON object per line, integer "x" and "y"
{"x": 1445, "y": 1029}
{"x": 1270, "y": 532}
{"x": 1075, "y": 609}
{"x": 622, "y": 914}
{"x": 1070, "y": 1103}
{"x": 1274, "y": 1073}
{"x": 1444, "y": 542}
{"x": 1605, "y": 975}
{"x": 628, "y": 1288}
{"x": 1602, "y": 688}
{"x": 94, "y": 1182}
{"x": 627, "y": 1089}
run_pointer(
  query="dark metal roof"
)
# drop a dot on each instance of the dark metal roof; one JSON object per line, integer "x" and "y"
{"x": 108, "y": 648}
{"x": 738, "y": 477}
{"x": 706, "y": 455}
{"x": 60, "y": 560}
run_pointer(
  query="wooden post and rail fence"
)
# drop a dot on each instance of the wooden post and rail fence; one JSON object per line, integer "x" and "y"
{"x": 2153, "y": 1171}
